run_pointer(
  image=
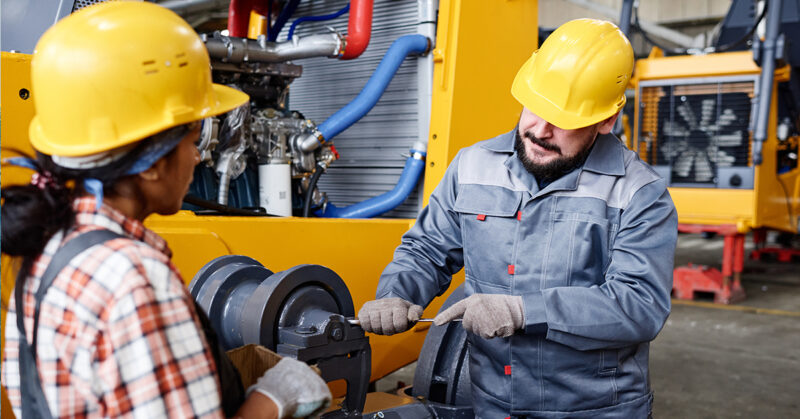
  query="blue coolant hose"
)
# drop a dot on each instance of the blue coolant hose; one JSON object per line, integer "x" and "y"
{"x": 375, "y": 86}
{"x": 380, "y": 204}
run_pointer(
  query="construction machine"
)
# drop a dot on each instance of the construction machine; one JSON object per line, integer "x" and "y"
{"x": 722, "y": 125}
{"x": 284, "y": 234}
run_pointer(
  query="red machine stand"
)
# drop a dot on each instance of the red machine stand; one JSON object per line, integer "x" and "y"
{"x": 783, "y": 254}
{"x": 726, "y": 286}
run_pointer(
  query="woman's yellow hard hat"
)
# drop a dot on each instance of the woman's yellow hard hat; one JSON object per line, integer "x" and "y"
{"x": 117, "y": 72}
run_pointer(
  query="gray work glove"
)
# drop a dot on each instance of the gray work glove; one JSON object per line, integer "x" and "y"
{"x": 388, "y": 316}
{"x": 298, "y": 390}
{"x": 486, "y": 315}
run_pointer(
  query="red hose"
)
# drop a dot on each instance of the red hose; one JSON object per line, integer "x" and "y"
{"x": 359, "y": 28}
{"x": 239, "y": 17}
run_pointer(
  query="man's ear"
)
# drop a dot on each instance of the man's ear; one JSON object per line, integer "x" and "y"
{"x": 605, "y": 126}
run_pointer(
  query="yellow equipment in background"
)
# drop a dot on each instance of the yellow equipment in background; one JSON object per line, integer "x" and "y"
{"x": 477, "y": 49}
{"x": 694, "y": 123}
{"x": 685, "y": 102}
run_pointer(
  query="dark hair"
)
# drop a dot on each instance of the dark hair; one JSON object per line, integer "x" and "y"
{"x": 32, "y": 215}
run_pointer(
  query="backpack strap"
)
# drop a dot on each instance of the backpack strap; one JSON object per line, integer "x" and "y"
{"x": 34, "y": 404}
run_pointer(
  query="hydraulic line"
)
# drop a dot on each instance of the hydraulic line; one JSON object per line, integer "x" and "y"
{"x": 372, "y": 91}
{"x": 321, "y": 18}
{"x": 307, "y": 198}
{"x": 283, "y": 17}
{"x": 766, "y": 78}
{"x": 388, "y": 201}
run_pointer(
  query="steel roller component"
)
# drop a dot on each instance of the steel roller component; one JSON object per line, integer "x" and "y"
{"x": 442, "y": 374}
{"x": 300, "y": 312}
{"x": 264, "y": 313}
{"x": 201, "y": 277}
{"x": 222, "y": 287}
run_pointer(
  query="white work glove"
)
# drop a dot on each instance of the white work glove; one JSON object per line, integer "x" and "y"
{"x": 298, "y": 390}
{"x": 486, "y": 315}
{"x": 388, "y": 316}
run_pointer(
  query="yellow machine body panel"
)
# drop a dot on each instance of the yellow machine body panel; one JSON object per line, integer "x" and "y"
{"x": 477, "y": 52}
{"x": 474, "y": 66}
{"x": 17, "y": 106}
{"x": 774, "y": 200}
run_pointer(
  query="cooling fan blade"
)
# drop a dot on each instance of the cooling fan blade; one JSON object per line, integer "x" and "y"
{"x": 701, "y": 132}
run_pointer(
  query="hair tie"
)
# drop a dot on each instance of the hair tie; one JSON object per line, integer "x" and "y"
{"x": 43, "y": 180}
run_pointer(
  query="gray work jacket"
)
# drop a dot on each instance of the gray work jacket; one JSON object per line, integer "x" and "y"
{"x": 591, "y": 255}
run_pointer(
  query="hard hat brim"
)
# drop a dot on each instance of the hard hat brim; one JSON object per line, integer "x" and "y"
{"x": 549, "y": 111}
{"x": 227, "y": 99}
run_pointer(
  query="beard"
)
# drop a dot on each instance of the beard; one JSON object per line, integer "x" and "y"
{"x": 553, "y": 169}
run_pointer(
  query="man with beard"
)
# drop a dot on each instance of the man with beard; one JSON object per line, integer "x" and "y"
{"x": 567, "y": 240}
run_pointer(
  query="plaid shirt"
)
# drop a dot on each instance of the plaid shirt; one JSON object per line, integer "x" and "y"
{"x": 118, "y": 335}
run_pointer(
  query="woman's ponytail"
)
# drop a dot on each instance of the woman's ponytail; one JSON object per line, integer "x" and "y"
{"x": 32, "y": 214}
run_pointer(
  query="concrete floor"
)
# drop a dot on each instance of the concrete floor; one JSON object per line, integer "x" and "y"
{"x": 713, "y": 361}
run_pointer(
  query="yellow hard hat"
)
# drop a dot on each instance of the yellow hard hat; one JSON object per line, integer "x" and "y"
{"x": 579, "y": 75}
{"x": 117, "y": 72}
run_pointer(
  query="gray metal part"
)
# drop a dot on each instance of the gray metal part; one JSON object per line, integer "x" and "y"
{"x": 201, "y": 277}
{"x": 300, "y": 312}
{"x": 222, "y": 288}
{"x": 442, "y": 374}
{"x": 421, "y": 410}
{"x": 240, "y": 50}
{"x": 745, "y": 174}
{"x": 24, "y": 21}
{"x": 768, "y": 64}
{"x": 262, "y": 311}
{"x": 374, "y": 150}
{"x": 415, "y": 410}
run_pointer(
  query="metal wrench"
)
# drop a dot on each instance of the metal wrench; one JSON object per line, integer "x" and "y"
{"x": 358, "y": 322}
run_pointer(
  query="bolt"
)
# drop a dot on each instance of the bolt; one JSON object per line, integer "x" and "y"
{"x": 24, "y": 94}
{"x": 378, "y": 415}
{"x": 337, "y": 333}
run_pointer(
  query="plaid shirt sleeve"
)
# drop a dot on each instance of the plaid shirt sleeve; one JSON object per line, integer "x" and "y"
{"x": 155, "y": 361}
{"x": 147, "y": 356}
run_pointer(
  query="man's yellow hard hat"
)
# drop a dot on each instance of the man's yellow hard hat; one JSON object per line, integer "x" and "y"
{"x": 117, "y": 72}
{"x": 579, "y": 75}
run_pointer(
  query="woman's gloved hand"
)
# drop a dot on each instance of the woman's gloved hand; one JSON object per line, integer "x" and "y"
{"x": 388, "y": 316}
{"x": 298, "y": 390}
{"x": 486, "y": 315}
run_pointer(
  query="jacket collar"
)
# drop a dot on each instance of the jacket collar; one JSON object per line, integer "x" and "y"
{"x": 605, "y": 158}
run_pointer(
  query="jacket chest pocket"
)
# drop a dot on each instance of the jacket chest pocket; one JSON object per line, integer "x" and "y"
{"x": 489, "y": 224}
{"x": 579, "y": 249}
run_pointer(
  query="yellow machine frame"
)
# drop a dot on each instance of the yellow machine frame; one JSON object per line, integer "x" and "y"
{"x": 764, "y": 206}
{"x": 478, "y": 49}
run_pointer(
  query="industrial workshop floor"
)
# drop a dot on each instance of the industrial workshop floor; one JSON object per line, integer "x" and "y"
{"x": 713, "y": 361}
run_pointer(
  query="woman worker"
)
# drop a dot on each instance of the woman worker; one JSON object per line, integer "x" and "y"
{"x": 120, "y": 91}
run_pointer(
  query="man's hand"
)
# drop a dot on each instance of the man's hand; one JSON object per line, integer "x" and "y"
{"x": 296, "y": 389}
{"x": 388, "y": 316}
{"x": 486, "y": 315}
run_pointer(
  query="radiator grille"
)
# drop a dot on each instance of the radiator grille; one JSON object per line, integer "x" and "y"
{"x": 696, "y": 129}
{"x": 373, "y": 150}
